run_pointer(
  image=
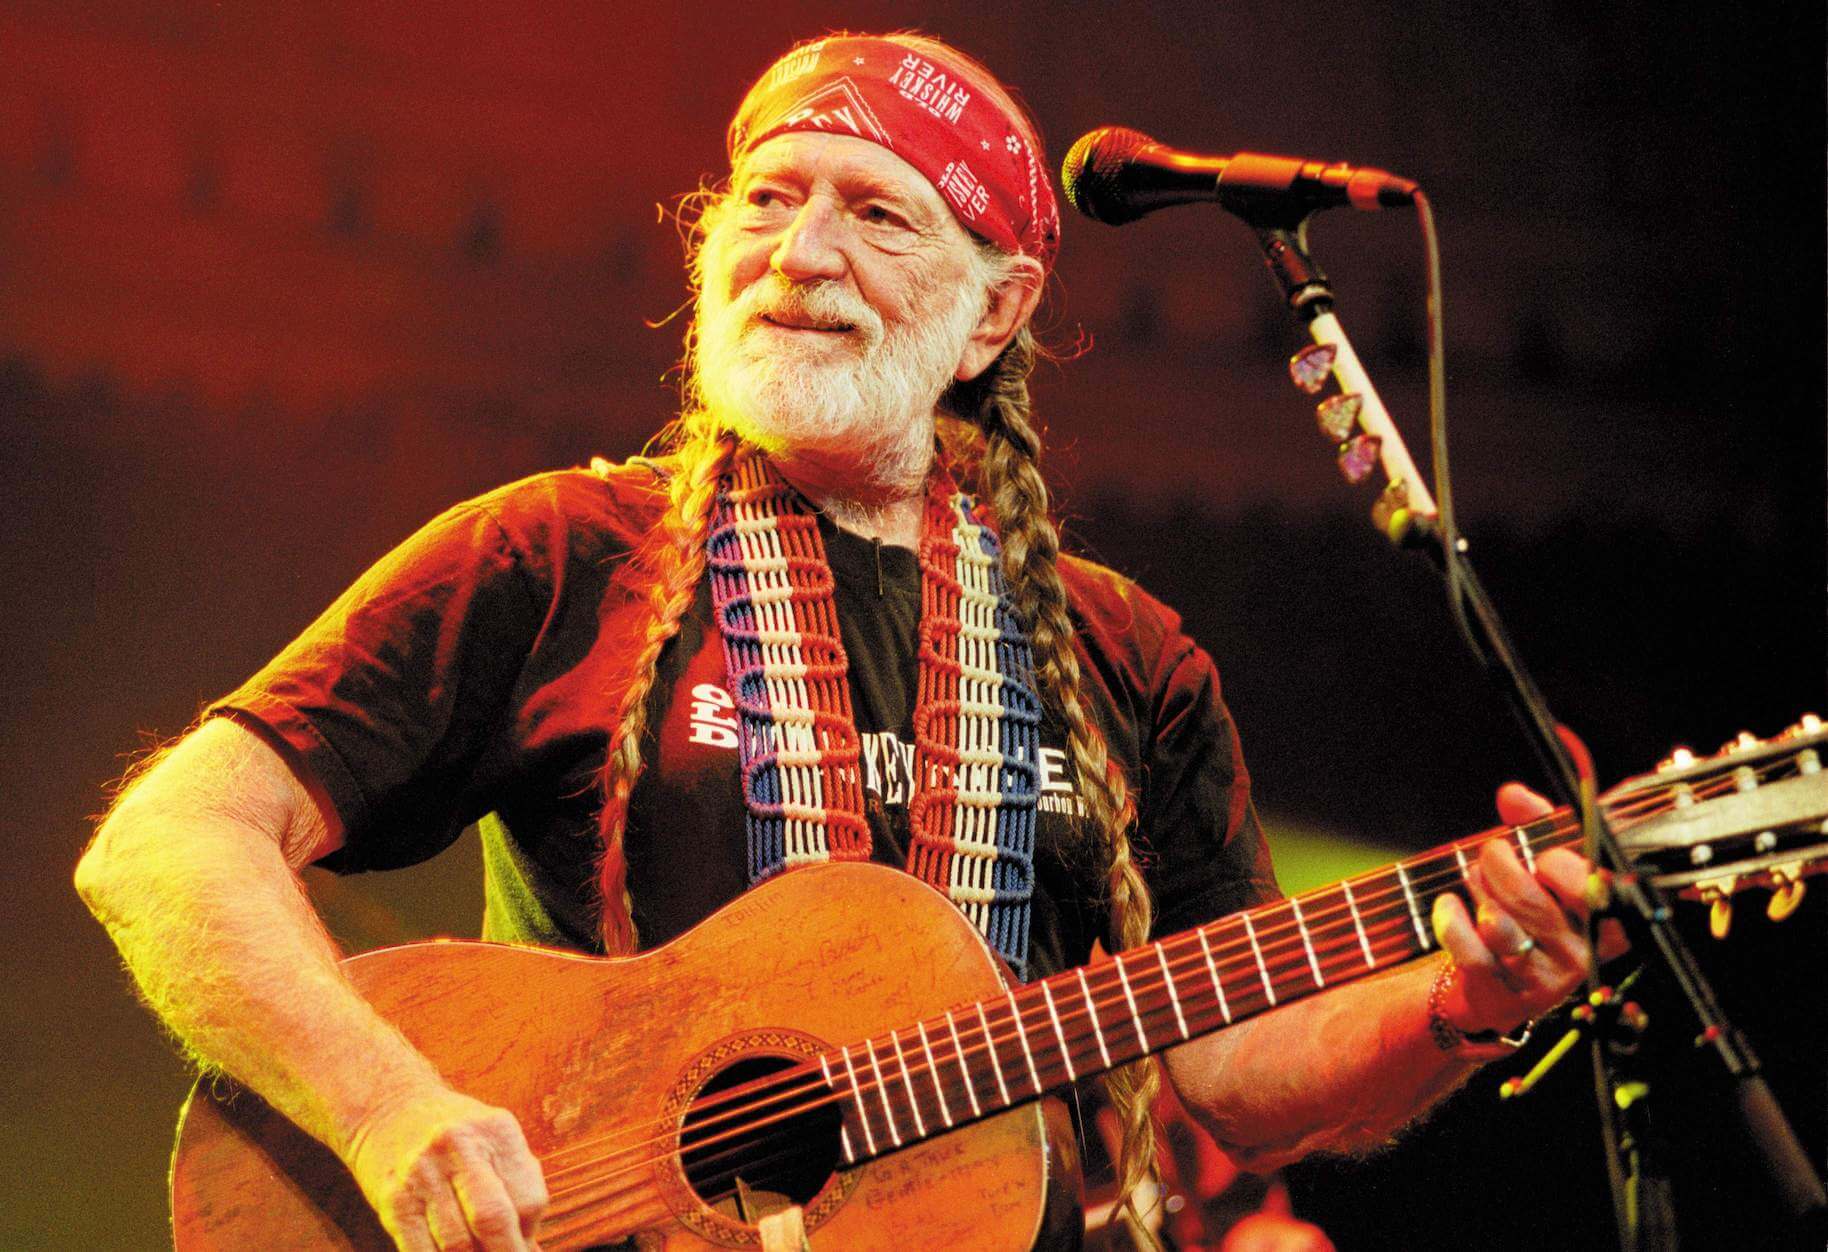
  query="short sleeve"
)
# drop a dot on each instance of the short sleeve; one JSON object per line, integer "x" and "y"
{"x": 389, "y": 699}
{"x": 1204, "y": 851}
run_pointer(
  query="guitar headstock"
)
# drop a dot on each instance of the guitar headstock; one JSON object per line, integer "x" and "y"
{"x": 1749, "y": 816}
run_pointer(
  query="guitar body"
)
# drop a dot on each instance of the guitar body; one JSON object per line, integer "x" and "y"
{"x": 588, "y": 1052}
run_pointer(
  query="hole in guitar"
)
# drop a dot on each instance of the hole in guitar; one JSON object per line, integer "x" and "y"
{"x": 755, "y": 1141}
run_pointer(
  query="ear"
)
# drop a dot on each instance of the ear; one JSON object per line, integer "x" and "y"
{"x": 1012, "y": 302}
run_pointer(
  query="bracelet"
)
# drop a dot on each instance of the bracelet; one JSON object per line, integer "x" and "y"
{"x": 1480, "y": 1044}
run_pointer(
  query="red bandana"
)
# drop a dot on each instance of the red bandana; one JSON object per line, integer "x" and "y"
{"x": 929, "y": 108}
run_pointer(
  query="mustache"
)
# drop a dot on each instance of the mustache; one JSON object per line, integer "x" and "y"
{"x": 819, "y": 303}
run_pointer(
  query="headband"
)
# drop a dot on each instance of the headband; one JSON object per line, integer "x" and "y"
{"x": 932, "y": 108}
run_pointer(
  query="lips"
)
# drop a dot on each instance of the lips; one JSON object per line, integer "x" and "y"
{"x": 788, "y": 322}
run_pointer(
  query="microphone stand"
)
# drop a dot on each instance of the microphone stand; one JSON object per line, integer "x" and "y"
{"x": 1409, "y": 518}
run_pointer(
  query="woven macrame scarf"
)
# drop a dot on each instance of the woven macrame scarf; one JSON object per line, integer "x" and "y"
{"x": 976, "y": 716}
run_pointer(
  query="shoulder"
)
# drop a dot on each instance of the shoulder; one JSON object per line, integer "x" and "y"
{"x": 537, "y": 531}
{"x": 614, "y": 503}
{"x": 1116, "y": 613}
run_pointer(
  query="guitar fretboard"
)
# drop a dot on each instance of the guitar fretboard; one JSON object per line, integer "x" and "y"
{"x": 981, "y": 1058}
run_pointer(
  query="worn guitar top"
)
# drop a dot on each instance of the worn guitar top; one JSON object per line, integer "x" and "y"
{"x": 469, "y": 676}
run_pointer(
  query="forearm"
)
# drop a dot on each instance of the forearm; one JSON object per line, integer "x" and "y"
{"x": 226, "y": 949}
{"x": 1342, "y": 1071}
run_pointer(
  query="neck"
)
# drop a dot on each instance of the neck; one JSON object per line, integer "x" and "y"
{"x": 890, "y": 513}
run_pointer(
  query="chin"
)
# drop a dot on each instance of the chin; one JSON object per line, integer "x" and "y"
{"x": 819, "y": 414}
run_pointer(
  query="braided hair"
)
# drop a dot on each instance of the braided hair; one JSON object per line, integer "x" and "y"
{"x": 1005, "y": 445}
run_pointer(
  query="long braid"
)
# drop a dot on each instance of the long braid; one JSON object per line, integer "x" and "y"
{"x": 1009, "y": 477}
{"x": 672, "y": 559}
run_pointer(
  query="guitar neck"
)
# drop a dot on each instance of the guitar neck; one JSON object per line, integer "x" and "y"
{"x": 983, "y": 1057}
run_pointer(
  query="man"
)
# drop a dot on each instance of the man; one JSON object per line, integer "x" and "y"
{"x": 792, "y": 638}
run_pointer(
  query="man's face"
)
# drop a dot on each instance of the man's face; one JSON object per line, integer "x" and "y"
{"x": 837, "y": 293}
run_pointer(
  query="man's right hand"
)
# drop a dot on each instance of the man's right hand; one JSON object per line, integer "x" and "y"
{"x": 446, "y": 1172}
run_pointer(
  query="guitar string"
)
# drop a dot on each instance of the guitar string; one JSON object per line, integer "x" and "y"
{"x": 759, "y": 1167}
{"x": 1641, "y": 801}
{"x": 1271, "y": 938}
{"x": 1282, "y": 943}
{"x": 1158, "y": 1005}
{"x": 1155, "y": 1008}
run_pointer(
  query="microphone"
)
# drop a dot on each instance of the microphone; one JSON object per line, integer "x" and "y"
{"x": 1116, "y": 175}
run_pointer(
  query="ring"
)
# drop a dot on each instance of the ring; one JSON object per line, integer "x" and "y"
{"x": 1523, "y": 949}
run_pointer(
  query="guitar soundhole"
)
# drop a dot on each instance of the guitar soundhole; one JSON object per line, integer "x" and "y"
{"x": 755, "y": 1140}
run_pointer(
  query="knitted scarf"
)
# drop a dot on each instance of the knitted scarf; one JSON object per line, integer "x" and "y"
{"x": 976, "y": 715}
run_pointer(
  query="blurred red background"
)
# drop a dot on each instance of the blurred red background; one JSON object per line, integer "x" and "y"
{"x": 278, "y": 282}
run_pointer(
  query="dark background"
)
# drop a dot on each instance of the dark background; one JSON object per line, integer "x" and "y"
{"x": 277, "y": 285}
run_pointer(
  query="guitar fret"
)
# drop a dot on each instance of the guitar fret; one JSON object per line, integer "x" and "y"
{"x": 1059, "y": 1034}
{"x": 1460, "y": 856}
{"x": 1174, "y": 996}
{"x": 1523, "y": 843}
{"x": 1306, "y": 942}
{"x": 933, "y": 1073}
{"x": 863, "y": 1116}
{"x": 1213, "y": 969}
{"x": 1131, "y": 1000}
{"x": 1415, "y": 914}
{"x": 920, "y": 1128}
{"x": 882, "y": 1093}
{"x": 964, "y": 1070}
{"x": 1015, "y": 1015}
{"x": 1091, "y": 1009}
{"x": 844, "y": 1132}
{"x": 1358, "y": 923}
{"x": 996, "y": 1062}
{"x": 1269, "y": 991}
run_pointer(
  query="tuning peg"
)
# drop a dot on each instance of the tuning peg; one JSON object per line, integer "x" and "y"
{"x": 1310, "y": 367}
{"x": 1717, "y": 894}
{"x": 1679, "y": 758}
{"x": 1787, "y": 891}
{"x": 1739, "y": 743}
{"x": 1807, "y": 724}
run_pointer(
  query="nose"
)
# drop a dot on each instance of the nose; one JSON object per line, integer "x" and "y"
{"x": 810, "y": 247}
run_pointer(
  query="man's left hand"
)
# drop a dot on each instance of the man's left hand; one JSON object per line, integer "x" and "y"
{"x": 1523, "y": 949}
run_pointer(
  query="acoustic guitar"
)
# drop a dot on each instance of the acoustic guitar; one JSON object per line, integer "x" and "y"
{"x": 842, "y": 1039}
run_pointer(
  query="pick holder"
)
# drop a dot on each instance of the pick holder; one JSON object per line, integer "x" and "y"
{"x": 1364, "y": 438}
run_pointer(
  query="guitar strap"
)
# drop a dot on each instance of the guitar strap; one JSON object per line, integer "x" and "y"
{"x": 976, "y": 715}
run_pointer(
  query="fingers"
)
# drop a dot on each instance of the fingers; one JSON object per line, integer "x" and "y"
{"x": 1519, "y": 806}
{"x": 1522, "y": 950}
{"x": 1524, "y": 908}
{"x": 491, "y": 1219}
{"x": 521, "y": 1176}
{"x": 448, "y": 1173}
{"x": 447, "y": 1223}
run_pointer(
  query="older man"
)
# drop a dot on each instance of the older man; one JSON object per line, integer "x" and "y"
{"x": 830, "y": 623}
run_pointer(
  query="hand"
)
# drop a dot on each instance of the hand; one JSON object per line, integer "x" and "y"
{"x": 1524, "y": 949}
{"x": 1275, "y": 1232}
{"x": 445, "y": 1172}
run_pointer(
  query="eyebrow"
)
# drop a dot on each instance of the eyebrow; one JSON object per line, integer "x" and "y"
{"x": 857, "y": 185}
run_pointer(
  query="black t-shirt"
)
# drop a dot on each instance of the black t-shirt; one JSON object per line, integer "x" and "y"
{"x": 471, "y": 676}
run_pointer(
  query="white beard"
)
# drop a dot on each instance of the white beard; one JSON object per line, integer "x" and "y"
{"x": 863, "y": 398}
